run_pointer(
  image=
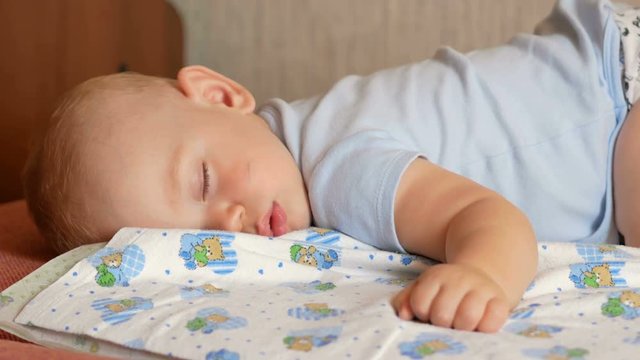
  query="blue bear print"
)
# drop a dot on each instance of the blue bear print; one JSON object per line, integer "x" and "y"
{"x": 427, "y": 344}
{"x": 199, "y": 251}
{"x": 308, "y": 339}
{"x": 624, "y": 304}
{"x": 116, "y": 311}
{"x": 117, "y": 267}
{"x": 211, "y": 319}
{"x": 313, "y": 287}
{"x": 222, "y": 354}
{"x": 314, "y": 311}
{"x": 597, "y": 275}
{"x": 312, "y": 256}
{"x": 557, "y": 352}
{"x": 532, "y": 330}
{"x": 210, "y": 250}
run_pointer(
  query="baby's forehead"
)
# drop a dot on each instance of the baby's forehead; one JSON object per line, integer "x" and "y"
{"x": 115, "y": 109}
{"x": 130, "y": 119}
{"x": 121, "y": 106}
{"x": 125, "y": 90}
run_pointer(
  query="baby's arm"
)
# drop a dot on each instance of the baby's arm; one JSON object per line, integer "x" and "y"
{"x": 486, "y": 244}
{"x": 626, "y": 178}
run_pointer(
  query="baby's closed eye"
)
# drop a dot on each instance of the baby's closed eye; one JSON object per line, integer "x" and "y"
{"x": 205, "y": 181}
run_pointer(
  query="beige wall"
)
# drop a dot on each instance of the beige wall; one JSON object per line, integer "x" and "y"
{"x": 296, "y": 48}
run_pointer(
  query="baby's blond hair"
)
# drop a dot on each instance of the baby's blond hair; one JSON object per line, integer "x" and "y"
{"x": 53, "y": 161}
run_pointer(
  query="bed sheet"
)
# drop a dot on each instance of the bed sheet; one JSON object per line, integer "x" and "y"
{"x": 318, "y": 293}
{"x": 15, "y": 297}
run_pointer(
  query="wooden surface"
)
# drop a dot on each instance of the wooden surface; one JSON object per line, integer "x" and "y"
{"x": 48, "y": 46}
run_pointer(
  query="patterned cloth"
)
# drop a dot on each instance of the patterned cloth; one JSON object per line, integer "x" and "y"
{"x": 317, "y": 293}
{"x": 628, "y": 20}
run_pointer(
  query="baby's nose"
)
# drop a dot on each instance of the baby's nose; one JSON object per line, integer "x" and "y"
{"x": 233, "y": 217}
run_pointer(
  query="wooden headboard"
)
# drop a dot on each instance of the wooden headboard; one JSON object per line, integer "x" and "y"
{"x": 50, "y": 46}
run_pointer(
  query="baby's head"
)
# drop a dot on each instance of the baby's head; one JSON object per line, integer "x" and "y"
{"x": 134, "y": 150}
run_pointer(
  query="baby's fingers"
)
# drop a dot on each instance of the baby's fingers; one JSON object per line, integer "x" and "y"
{"x": 401, "y": 305}
{"x": 495, "y": 315}
{"x": 422, "y": 298}
{"x": 470, "y": 311}
{"x": 444, "y": 306}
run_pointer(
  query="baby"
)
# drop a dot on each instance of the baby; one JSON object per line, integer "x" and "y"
{"x": 466, "y": 159}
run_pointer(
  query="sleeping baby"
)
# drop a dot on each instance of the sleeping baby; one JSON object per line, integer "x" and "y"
{"x": 467, "y": 159}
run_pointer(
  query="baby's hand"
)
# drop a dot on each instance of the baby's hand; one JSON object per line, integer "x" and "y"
{"x": 454, "y": 295}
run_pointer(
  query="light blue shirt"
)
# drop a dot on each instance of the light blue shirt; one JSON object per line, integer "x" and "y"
{"x": 535, "y": 120}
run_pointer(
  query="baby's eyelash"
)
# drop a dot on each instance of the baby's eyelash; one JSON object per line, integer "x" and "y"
{"x": 205, "y": 176}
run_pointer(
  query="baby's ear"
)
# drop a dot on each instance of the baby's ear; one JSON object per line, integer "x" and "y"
{"x": 207, "y": 87}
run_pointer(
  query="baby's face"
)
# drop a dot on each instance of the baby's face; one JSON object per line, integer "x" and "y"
{"x": 182, "y": 165}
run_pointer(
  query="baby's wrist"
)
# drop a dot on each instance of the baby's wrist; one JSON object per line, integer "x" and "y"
{"x": 508, "y": 292}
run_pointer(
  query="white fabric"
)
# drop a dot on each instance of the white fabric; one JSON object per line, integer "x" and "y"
{"x": 277, "y": 298}
{"x": 15, "y": 297}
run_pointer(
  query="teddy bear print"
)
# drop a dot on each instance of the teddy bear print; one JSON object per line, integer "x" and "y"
{"x": 599, "y": 276}
{"x": 116, "y": 311}
{"x": 308, "y": 342}
{"x": 625, "y": 304}
{"x": 313, "y": 256}
{"x": 532, "y": 330}
{"x": 116, "y": 267}
{"x": 208, "y": 250}
{"x": 211, "y": 319}
{"x": 427, "y": 344}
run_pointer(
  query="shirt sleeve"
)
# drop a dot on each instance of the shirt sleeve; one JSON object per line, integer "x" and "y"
{"x": 352, "y": 188}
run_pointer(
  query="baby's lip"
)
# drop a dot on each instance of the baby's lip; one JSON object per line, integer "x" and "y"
{"x": 274, "y": 222}
{"x": 264, "y": 225}
{"x": 278, "y": 220}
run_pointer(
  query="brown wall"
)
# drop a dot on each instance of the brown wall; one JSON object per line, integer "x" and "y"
{"x": 48, "y": 46}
